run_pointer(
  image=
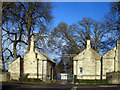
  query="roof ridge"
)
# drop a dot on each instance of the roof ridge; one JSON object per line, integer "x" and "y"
{"x": 48, "y": 57}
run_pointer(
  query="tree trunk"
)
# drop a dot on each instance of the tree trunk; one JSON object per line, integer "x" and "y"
{"x": 1, "y": 62}
{"x": 3, "y": 65}
{"x": 14, "y": 47}
{"x": 28, "y": 40}
{"x": 29, "y": 29}
{"x": 29, "y": 25}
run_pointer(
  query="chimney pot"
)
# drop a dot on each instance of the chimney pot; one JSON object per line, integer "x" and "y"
{"x": 88, "y": 44}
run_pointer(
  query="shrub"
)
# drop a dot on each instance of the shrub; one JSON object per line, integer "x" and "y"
{"x": 24, "y": 78}
{"x": 29, "y": 80}
{"x": 4, "y": 70}
{"x": 92, "y": 81}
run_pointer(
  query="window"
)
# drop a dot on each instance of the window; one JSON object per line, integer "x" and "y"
{"x": 80, "y": 70}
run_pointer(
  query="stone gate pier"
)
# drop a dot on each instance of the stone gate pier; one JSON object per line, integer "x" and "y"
{"x": 113, "y": 78}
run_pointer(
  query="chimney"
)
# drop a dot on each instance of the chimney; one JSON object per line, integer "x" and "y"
{"x": 88, "y": 44}
{"x": 32, "y": 44}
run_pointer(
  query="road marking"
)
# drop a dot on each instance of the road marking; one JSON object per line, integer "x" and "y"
{"x": 108, "y": 86}
{"x": 73, "y": 88}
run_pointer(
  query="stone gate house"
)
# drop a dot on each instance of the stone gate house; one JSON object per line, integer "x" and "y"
{"x": 91, "y": 65}
{"x": 33, "y": 64}
{"x": 86, "y": 65}
{"x": 111, "y": 61}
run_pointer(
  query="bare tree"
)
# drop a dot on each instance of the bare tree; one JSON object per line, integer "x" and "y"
{"x": 21, "y": 21}
{"x": 0, "y": 35}
{"x": 71, "y": 40}
{"x": 1, "y": 10}
{"x": 33, "y": 15}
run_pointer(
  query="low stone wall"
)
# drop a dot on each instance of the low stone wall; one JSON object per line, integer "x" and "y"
{"x": 4, "y": 76}
{"x": 88, "y": 77}
{"x": 113, "y": 78}
{"x": 14, "y": 76}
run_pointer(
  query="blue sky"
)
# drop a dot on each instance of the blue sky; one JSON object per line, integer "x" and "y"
{"x": 71, "y": 12}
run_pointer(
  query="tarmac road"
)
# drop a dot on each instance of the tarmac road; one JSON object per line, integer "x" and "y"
{"x": 23, "y": 86}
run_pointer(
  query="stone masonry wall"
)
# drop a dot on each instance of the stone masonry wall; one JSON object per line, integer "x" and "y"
{"x": 14, "y": 69}
{"x": 108, "y": 66}
{"x": 40, "y": 69}
{"x": 91, "y": 66}
{"x": 111, "y": 60}
{"x": 50, "y": 70}
{"x": 30, "y": 65}
{"x": 44, "y": 70}
{"x": 118, "y": 47}
{"x": 117, "y": 68}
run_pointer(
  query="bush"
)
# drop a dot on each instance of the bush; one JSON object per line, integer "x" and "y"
{"x": 29, "y": 80}
{"x": 92, "y": 81}
{"x": 24, "y": 78}
{"x": 69, "y": 79}
{"x": 4, "y": 70}
{"x": 52, "y": 81}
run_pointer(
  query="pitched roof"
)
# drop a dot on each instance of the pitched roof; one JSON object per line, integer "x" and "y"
{"x": 49, "y": 58}
{"x": 44, "y": 57}
{"x": 87, "y": 52}
{"x": 110, "y": 53}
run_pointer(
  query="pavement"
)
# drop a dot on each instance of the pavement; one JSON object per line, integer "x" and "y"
{"x": 60, "y": 85}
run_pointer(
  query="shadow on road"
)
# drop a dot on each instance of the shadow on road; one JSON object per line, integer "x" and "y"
{"x": 58, "y": 86}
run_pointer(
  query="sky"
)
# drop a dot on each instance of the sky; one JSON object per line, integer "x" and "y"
{"x": 71, "y": 12}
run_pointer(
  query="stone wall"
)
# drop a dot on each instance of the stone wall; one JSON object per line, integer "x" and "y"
{"x": 108, "y": 66}
{"x": 44, "y": 64}
{"x": 40, "y": 69}
{"x": 118, "y": 56}
{"x": 14, "y": 69}
{"x": 113, "y": 77}
{"x": 35, "y": 67}
{"x": 30, "y": 65}
{"x": 4, "y": 76}
{"x": 50, "y": 68}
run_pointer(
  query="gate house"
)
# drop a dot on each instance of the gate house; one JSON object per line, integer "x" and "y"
{"x": 33, "y": 64}
{"x": 87, "y": 64}
{"x": 91, "y": 65}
